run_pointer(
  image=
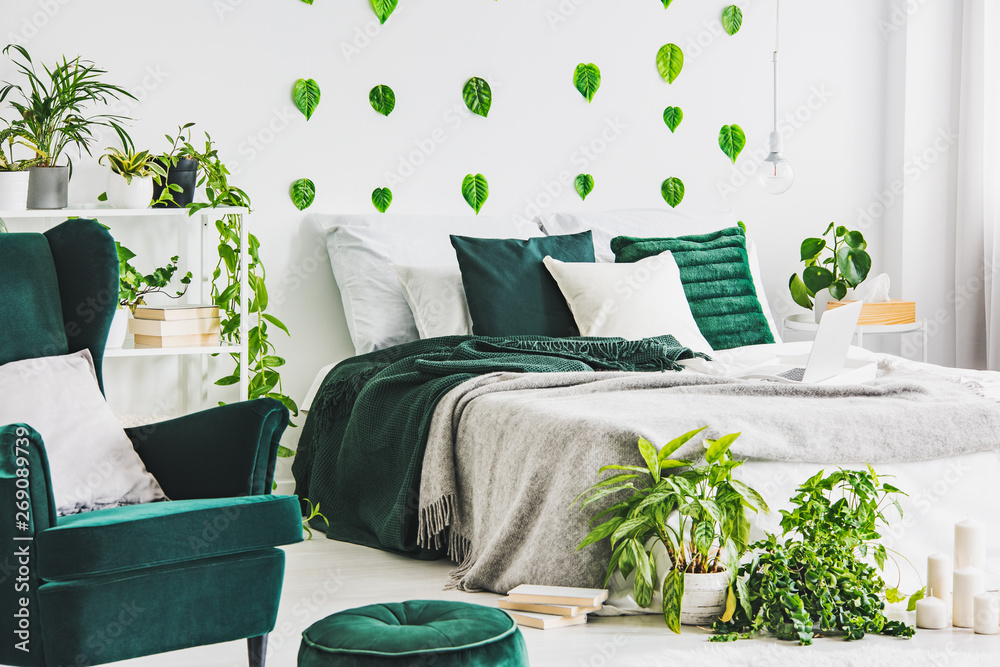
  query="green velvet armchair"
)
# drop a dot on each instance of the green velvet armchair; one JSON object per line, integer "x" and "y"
{"x": 114, "y": 584}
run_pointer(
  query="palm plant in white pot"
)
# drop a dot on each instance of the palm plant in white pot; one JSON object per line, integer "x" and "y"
{"x": 690, "y": 518}
{"x": 14, "y": 173}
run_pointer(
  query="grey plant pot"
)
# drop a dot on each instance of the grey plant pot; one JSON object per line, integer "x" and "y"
{"x": 48, "y": 188}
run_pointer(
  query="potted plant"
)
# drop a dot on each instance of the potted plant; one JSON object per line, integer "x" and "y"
{"x": 176, "y": 187}
{"x": 832, "y": 276}
{"x": 696, "y": 514}
{"x": 13, "y": 172}
{"x": 133, "y": 287}
{"x": 54, "y": 115}
{"x": 130, "y": 181}
{"x": 822, "y": 574}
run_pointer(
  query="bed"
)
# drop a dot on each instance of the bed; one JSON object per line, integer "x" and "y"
{"x": 472, "y": 447}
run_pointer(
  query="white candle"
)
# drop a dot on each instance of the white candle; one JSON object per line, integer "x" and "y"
{"x": 987, "y": 610}
{"x": 969, "y": 582}
{"x": 932, "y": 614}
{"x": 970, "y": 545}
{"x": 939, "y": 576}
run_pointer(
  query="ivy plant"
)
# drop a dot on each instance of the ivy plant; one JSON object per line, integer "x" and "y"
{"x": 134, "y": 287}
{"x": 672, "y": 191}
{"x": 847, "y": 265}
{"x": 697, "y": 512}
{"x": 478, "y": 96}
{"x": 382, "y": 199}
{"x": 670, "y": 62}
{"x": 815, "y": 576}
{"x": 475, "y": 190}
{"x": 587, "y": 79}
{"x": 584, "y": 185}
{"x": 306, "y": 95}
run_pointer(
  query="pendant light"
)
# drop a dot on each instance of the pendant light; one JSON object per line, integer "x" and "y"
{"x": 775, "y": 172}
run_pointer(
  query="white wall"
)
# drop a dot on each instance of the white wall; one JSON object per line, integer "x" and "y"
{"x": 230, "y": 65}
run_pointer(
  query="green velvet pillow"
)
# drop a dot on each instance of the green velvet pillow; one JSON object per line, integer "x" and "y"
{"x": 715, "y": 272}
{"x": 509, "y": 290}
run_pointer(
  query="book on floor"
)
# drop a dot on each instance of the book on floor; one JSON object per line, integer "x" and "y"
{"x": 195, "y": 340}
{"x": 545, "y": 621}
{"x": 182, "y": 312}
{"x": 200, "y": 326}
{"x": 562, "y": 595}
{"x": 552, "y": 609}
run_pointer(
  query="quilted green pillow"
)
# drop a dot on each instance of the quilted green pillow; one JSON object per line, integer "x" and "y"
{"x": 715, "y": 272}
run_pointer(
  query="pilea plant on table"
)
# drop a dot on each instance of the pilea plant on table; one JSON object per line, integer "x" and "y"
{"x": 698, "y": 513}
{"x": 263, "y": 363}
{"x": 836, "y": 265}
{"x": 814, "y": 577}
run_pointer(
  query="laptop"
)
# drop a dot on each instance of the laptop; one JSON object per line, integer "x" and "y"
{"x": 828, "y": 357}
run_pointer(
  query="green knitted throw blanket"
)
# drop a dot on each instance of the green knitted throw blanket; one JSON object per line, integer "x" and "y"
{"x": 362, "y": 446}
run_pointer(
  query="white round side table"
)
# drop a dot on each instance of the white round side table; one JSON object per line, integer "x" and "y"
{"x": 806, "y": 323}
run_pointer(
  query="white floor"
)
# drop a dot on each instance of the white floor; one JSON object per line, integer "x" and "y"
{"x": 323, "y": 577}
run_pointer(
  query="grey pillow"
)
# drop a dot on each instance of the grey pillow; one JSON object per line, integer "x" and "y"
{"x": 91, "y": 460}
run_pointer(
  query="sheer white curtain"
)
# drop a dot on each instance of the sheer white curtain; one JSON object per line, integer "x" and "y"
{"x": 977, "y": 273}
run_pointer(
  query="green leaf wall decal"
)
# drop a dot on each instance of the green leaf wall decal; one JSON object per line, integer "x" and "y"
{"x": 382, "y": 99}
{"x": 732, "y": 19}
{"x": 308, "y": 2}
{"x": 732, "y": 140}
{"x": 382, "y": 199}
{"x": 587, "y": 79}
{"x": 303, "y": 193}
{"x": 478, "y": 96}
{"x": 384, "y": 9}
{"x": 584, "y": 185}
{"x": 670, "y": 62}
{"x": 672, "y": 191}
{"x": 305, "y": 94}
{"x": 673, "y": 116}
{"x": 476, "y": 191}
{"x": 666, "y": 3}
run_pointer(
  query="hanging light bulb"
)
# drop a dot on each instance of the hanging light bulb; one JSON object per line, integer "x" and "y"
{"x": 775, "y": 172}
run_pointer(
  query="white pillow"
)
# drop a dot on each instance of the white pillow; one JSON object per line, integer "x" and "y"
{"x": 436, "y": 297}
{"x": 631, "y": 301}
{"x": 91, "y": 460}
{"x": 653, "y": 223}
{"x": 362, "y": 247}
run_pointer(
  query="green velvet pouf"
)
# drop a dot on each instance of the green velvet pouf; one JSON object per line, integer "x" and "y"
{"x": 415, "y": 633}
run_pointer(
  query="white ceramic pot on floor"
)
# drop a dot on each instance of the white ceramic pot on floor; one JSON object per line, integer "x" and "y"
{"x": 14, "y": 190}
{"x": 137, "y": 194}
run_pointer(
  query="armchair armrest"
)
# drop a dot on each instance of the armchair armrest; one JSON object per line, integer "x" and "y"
{"x": 26, "y": 509}
{"x": 219, "y": 453}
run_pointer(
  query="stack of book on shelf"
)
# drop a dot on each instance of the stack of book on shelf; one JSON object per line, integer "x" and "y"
{"x": 546, "y": 607}
{"x": 175, "y": 326}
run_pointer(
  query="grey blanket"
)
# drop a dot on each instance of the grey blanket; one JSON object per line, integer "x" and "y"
{"x": 508, "y": 453}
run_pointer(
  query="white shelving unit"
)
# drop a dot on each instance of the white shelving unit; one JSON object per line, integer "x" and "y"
{"x": 205, "y": 218}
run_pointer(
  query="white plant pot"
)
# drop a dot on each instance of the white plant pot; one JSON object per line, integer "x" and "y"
{"x": 14, "y": 190}
{"x": 823, "y": 299}
{"x": 137, "y": 194}
{"x": 704, "y": 598}
{"x": 119, "y": 329}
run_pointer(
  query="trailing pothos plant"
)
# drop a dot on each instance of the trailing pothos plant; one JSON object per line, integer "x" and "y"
{"x": 846, "y": 266}
{"x": 698, "y": 512}
{"x": 263, "y": 362}
{"x": 134, "y": 287}
{"x": 815, "y": 576}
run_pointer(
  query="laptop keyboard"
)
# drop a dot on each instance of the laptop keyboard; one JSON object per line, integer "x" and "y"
{"x": 795, "y": 374}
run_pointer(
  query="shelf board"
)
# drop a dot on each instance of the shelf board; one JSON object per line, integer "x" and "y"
{"x": 95, "y": 210}
{"x": 129, "y": 351}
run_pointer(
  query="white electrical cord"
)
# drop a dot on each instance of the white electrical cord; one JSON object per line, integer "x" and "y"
{"x": 777, "y": 45}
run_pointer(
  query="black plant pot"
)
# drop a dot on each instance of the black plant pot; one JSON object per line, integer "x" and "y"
{"x": 185, "y": 174}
